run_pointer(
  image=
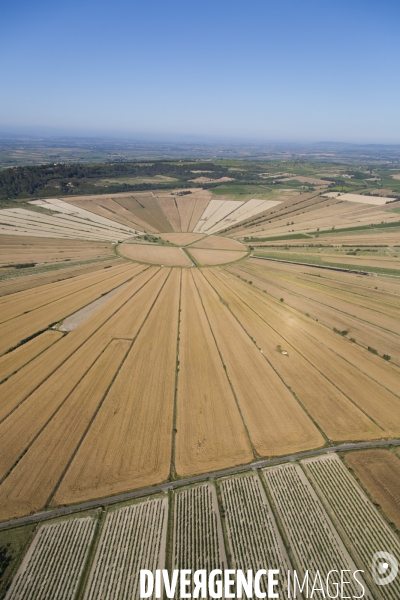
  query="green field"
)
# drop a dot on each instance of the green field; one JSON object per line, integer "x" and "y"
{"x": 13, "y": 542}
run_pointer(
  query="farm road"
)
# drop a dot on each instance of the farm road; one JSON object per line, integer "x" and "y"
{"x": 171, "y": 485}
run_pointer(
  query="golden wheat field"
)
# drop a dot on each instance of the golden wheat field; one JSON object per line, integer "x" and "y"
{"x": 200, "y": 356}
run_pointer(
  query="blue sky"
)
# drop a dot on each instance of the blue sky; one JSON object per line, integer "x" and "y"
{"x": 262, "y": 70}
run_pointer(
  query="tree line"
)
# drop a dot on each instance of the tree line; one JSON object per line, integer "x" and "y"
{"x": 72, "y": 179}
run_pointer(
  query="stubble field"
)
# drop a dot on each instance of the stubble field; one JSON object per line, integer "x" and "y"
{"x": 226, "y": 352}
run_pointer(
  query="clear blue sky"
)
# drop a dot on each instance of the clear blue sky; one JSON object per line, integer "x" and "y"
{"x": 252, "y": 69}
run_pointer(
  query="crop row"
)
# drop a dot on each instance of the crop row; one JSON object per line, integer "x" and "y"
{"x": 198, "y": 541}
{"x": 253, "y": 536}
{"x": 132, "y": 538}
{"x": 54, "y": 563}
{"x": 314, "y": 541}
{"x": 355, "y": 514}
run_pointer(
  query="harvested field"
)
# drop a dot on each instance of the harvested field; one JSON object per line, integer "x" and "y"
{"x": 227, "y": 208}
{"x": 381, "y": 371}
{"x": 24, "y": 279}
{"x": 275, "y": 373}
{"x": 53, "y": 566}
{"x": 198, "y": 209}
{"x": 377, "y": 200}
{"x": 290, "y": 201}
{"x": 16, "y": 250}
{"x": 29, "y": 223}
{"x": 337, "y": 295}
{"x": 364, "y": 262}
{"x": 76, "y": 214}
{"x": 366, "y": 238}
{"x": 21, "y": 327}
{"x": 379, "y": 473}
{"x": 13, "y": 361}
{"x": 335, "y": 414}
{"x": 31, "y": 483}
{"x": 198, "y": 541}
{"x": 364, "y": 528}
{"x": 21, "y": 303}
{"x": 115, "y": 455}
{"x": 214, "y": 242}
{"x": 367, "y": 287}
{"x": 73, "y": 321}
{"x": 181, "y": 239}
{"x": 338, "y": 258}
{"x": 31, "y": 397}
{"x": 186, "y": 207}
{"x": 132, "y": 538}
{"x": 349, "y": 240}
{"x": 146, "y": 207}
{"x": 156, "y": 376}
{"x": 275, "y": 421}
{"x": 313, "y": 539}
{"x": 215, "y": 257}
{"x": 289, "y": 207}
{"x": 308, "y": 337}
{"x": 200, "y": 446}
{"x": 311, "y": 214}
{"x": 243, "y": 212}
{"x": 39, "y": 368}
{"x": 110, "y": 208}
{"x": 210, "y": 209}
{"x": 171, "y": 211}
{"x": 359, "y": 312}
{"x": 223, "y": 208}
{"x": 156, "y": 255}
{"x": 253, "y": 535}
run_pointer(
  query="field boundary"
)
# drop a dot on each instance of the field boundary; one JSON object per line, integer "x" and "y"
{"x": 292, "y": 262}
{"x": 171, "y": 485}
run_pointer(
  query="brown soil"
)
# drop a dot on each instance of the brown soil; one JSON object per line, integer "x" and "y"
{"x": 379, "y": 473}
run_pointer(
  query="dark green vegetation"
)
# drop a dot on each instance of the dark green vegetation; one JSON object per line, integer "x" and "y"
{"x": 343, "y": 333}
{"x": 357, "y": 228}
{"x": 65, "y": 180}
{"x": 13, "y": 544}
{"x": 61, "y": 168}
{"x": 276, "y": 238}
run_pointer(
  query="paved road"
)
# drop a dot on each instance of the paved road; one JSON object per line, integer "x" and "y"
{"x": 65, "y": 510}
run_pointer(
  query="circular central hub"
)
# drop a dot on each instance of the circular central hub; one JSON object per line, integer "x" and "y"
{"x": 183, "y": 250}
